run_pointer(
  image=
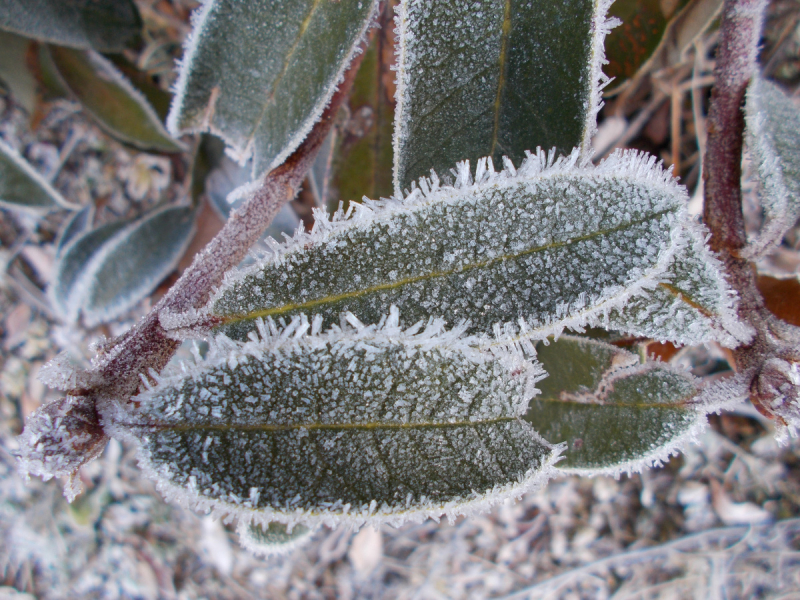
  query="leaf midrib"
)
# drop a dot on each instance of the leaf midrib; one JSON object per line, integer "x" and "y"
{"x": 235, "y": 318}
{"x": 276, "y": 428}
{"x": 501, "y": 81}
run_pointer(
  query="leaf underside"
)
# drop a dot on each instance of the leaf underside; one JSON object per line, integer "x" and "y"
{"x": 105, "y": 272}
{"x": 613, "y": 413}
{"x": 557, "y": 246}
{"x": 773, "y": 127}
{"x": 21, "y": 187}
{"x": 111, "y": 99}
{"x": 343, "y": 425}
{"x": 106, "y": 25}
{"x": 262, "y": 99}
{"x": 492, "y": 78}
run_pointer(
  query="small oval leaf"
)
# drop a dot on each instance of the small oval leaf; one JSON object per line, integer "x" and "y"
{"x": 553, "y": 245}
{"x": 494, "y": 78}
{"x": 773, "y": 128}
{"x": 22, "y": 188}
{"x": 272, "y": 539}
{"x": 105, "y": 25}
{"x": 131, "y": 264}
{"x": 263, "y": 94}
{"x": 614, "y": 414}
{"x": 359, "y": 424}
{"x": 111, "y": 99}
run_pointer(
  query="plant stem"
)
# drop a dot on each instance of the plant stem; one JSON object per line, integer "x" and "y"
{"x": 47, "y": 449}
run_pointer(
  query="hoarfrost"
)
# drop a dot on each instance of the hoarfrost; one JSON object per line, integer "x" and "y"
{"x": 360, "y": 423}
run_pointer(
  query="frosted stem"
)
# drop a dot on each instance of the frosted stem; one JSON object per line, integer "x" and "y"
{"x": 146, "y": 347}
{"x": 771, "y": 360}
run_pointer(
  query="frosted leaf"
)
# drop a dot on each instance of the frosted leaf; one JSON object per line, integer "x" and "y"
{"x": 22, "y": 188}
{"x": 105, "y": 272}
{"x": 552, "y": 245}
{"x": 494, "y": 78}
{"x": 773, "y": 134}
{"x": 359, "y": 424}
{"x": 263, "y": 94}
{"x": 74, "y": 226}
{"x": 110, "y": 98}
{"x": 106, "y": 25}
{"x": 272, "y": 539}
{"x": 614, "y": 414}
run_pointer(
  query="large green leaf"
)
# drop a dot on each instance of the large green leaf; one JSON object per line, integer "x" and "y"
{"x": 773, "y": 128}
{"x": 263, "y": 93}
{"x": 111, "y": 99}
{"x": 547, "y": 247}
{"x": 494, "y": 78}
{"x": 103, "y": 273}
{"x": 613, "y": 413}
{"x": 358, "y": 424}
{"x": 106, "y": 25}
{"x": 22, "y": 188}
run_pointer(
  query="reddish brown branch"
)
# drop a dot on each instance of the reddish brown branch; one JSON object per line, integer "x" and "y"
{"x": 120, "y": 363}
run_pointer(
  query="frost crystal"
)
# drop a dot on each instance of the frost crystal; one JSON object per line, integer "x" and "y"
{"x": 362, "y": 423}
{"x": 551, "y": 245}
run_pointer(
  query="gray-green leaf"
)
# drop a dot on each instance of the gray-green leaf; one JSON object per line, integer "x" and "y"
{"x": 263, "y": 94}
{"x": 359, "y": 424}
{"x": 548, "y": 247}
{"x": 22, "y": 188}
{"x": 105, "y": 272}
{"x": 614, "y": 414}
{"x": 494, "y": 78}
{"x": 106, "y": 25}
{"x": 773, "y": 127}
{"x": 110, "y": 98}
{"x": 14, "y": 69}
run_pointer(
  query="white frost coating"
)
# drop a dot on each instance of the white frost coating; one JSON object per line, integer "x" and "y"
{"x": 82, "y": 288}
{"x": 238, "y": 151}
{"x": 62, "y": 373}
{"x": 773, "y": 135}
{"x": 268, "y": 547}
{"x": 621, "y": 167}
{"x": 40, "y": 181}
{"x": 602, "y": 25}
{"x": 301, "y": 337}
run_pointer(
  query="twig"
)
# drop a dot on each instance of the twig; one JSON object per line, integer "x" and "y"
{"x": 65, "y": 434}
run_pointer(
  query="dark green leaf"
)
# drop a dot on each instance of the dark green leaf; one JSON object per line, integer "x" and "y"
{"x": 105, "y": 25}
{"x": 614, "y": 413}
{"x": 554, "y": 245}
{"x": 22, "y": 188}
{"x": 358, "y": 424}
{"x": 111, "y": 99}
{"x": 263, "y": 93}
{"x": 494, "y": 78}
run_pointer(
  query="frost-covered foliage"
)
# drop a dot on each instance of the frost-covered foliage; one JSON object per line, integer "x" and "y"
{"x": 773, "y": 127}
{"x": 514, "y": 75}
{"x": 555, "y": 244}
{"x": 272, "y": 539}
{"x": 357, "y": 424}
{"x": 263, "y": 98}
{"x": 615, "y": 413}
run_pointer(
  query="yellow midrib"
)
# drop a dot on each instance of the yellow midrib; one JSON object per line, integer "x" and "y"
{"x": 273, "y": 428}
